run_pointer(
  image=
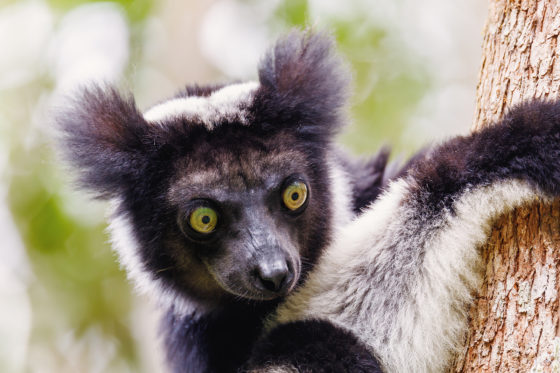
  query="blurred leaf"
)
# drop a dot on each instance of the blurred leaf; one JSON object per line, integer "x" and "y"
{"x": 293, "y": 12}
{"x": 78, "y": 286}
{"x": 388, "y": 81}
{"x": 136, "y": 10}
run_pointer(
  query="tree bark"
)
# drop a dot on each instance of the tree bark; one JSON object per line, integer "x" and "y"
{"x": 514, "y": 323}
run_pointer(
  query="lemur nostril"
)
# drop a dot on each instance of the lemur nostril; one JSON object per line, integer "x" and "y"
{"x": 274, "y": 277}
{"x": 274, "y": 284}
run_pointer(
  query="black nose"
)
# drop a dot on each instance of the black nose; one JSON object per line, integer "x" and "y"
{"x": 275, "y": 277}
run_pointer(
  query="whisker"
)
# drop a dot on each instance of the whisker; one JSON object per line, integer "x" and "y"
{"x": 164, "y": 269}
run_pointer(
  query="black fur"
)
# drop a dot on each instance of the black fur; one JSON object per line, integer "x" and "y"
{"x": 314, "y": 346}
{"x": 304, "y": 85}
{"x": 107, "y": 139}
{"x": 218, "y": 342}
{"x": 524, "y": 145}
{"x": 370, "y": 177}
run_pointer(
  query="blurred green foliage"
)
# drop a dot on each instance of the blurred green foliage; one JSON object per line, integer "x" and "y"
{"x": 77, "y": 288}
{"x": 136, "y": 10}
{"x": 77, "y": 285}
{"x": 388, "y": 81}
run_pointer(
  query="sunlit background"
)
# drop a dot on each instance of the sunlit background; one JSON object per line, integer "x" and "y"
{"x": 65, "y": 306}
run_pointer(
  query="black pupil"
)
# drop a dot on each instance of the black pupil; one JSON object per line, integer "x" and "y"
{"x": 206, "y": 219}
{"x": 295, "y": 196}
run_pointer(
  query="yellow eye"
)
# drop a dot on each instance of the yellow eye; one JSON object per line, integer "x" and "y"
{"x": 294, "y": 195}
{"x": 203, "y": 220}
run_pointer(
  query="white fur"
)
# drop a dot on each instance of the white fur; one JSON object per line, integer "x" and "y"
{"x": 127, "y": 248}
{"x": 341, "y": 194}
{"x": 228, "y": 103}
{"x": 276, "y": 369}
{"x": 409, "y": 309}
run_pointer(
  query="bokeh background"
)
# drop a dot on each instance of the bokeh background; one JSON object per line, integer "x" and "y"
{"x": 65, "y": 306}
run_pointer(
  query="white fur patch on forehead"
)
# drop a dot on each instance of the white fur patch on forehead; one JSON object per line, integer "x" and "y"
{"x": 226, "y": 104}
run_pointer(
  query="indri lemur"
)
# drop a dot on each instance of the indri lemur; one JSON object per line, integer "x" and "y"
{"x": 233, "y": 207}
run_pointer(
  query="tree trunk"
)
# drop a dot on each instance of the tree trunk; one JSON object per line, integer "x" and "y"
{"x": 514, "y": 323}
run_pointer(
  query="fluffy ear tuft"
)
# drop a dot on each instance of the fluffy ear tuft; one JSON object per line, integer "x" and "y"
{"x": 103, "y": 136}
{"x": 305, "y": 79}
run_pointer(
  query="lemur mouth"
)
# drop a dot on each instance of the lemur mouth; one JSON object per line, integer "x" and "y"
{"x": 264, "y": 294}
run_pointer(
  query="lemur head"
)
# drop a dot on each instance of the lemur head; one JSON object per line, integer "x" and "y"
{"x": 222, "y": 193}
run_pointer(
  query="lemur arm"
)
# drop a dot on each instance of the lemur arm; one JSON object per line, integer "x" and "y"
{"x": 312, "y": 346}
{"x": 401, "y": 275}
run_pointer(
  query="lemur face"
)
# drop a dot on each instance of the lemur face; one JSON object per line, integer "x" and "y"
{"x": 244, "y": 216}
{"x": 222, "y": 192}
{"x": 246, "y": 213}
